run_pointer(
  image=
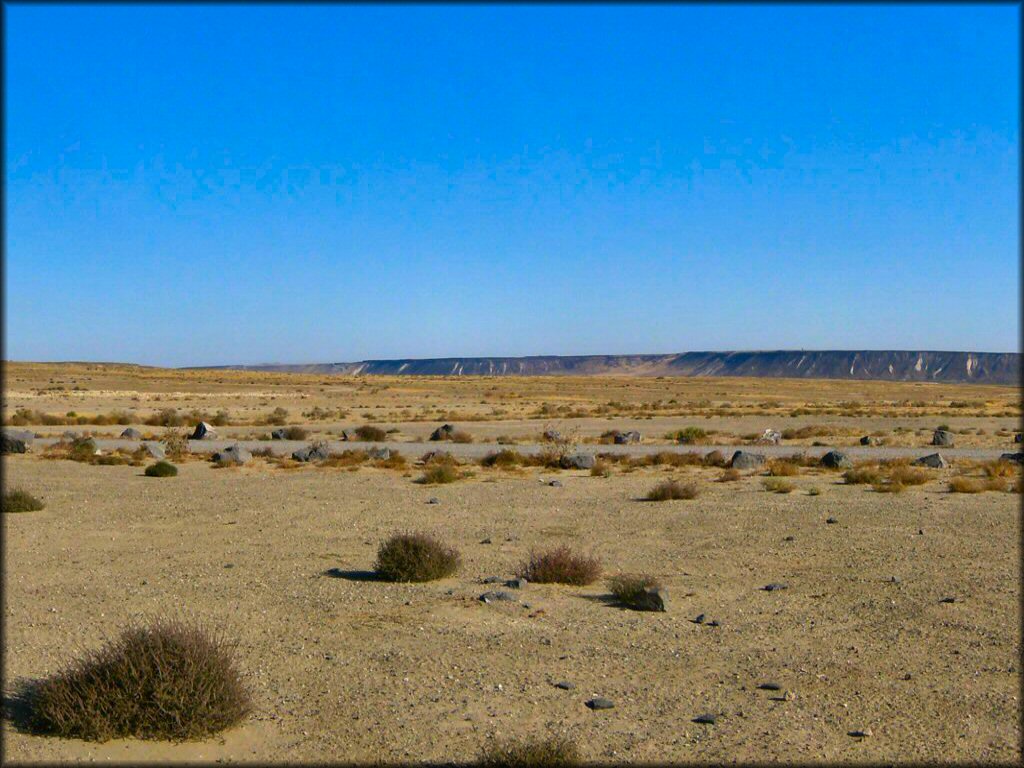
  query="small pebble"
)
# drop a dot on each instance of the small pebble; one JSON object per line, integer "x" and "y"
{"x": 788, "y": 696}
{"x": 894, "y": 579}
{"x": 433, "y": 500}
{"x": 486, "y": 541}
{"x": 790, "y": 538}
{"x": 600, "y": 703}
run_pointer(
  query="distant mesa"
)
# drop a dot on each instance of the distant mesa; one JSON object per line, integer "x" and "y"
{"x": 950, "y": 367}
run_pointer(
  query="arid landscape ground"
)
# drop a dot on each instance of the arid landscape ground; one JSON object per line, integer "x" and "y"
{"x": 900, "y": 620}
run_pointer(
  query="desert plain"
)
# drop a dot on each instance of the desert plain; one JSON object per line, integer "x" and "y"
{"x": 897, "y": 637}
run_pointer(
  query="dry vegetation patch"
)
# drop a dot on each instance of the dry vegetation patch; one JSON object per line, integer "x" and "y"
{"x": 560, "y": 566}
{"x": 535, "y": 752}
{"x": 671, "y": 490}
{"x": 18, "y": 500}
{"x": 416, "y": 557}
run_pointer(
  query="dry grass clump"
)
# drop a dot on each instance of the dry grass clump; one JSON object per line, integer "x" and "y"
{"x": 802, "y": 433}
{"x": 976, "y": 484}
{"x": 394, "y": 461}
{"x": 1000, "y": 468}
{"x": 552, "y": 751}
{"x": 18, "y": 500}
{"x": 631, "y": 590}
{"x": 782, "y": 468}
{"x": 295, "y": 433}
{"x": 415, "y": 557}
{"x": 347, "y": 458}
{"x": 461, "y": 436}
{"x": 673, "y": 459}
{"x": 439, "y": 474}
{"x": 169, "y": 680}
{"x": 560, "y": 566}
{"x": 905, "y": 475}
{"x": 863, "y": 475}
{"x": 689, "y": 436}
{"x": 671, "y": 490}
{"x": 371, "y": 434}
{"x": 175, "y": 443}
{"x": 161, "y": 469}
{"x": 503, "y": 458}
{"x": 600, "y": 469}
{"x": 778, "y": 485}
{"x": 715, "y": 459}
{"x": 889, "y": 487}
{"x": 729, "y": 475}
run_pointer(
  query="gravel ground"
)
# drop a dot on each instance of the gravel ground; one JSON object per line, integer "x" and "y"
{"x": 345, "y": 668}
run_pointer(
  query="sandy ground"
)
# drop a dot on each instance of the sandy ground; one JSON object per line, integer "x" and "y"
{"x": 350, "y": 669}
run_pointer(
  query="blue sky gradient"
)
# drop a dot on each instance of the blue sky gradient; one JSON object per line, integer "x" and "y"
{"x": 204, "y": 184}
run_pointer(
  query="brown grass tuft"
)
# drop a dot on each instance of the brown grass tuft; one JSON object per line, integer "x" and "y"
{"x": 17, "y": 500}
{"x": 631, "y": 590}
{"x": 552, "y": 751}
{"x": 560, "y": 566}
{"x": 671, "y": 490}
{"x": 415, "y": 557}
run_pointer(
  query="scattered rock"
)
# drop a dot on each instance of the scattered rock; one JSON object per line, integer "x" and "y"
{"x": 894, "y": 579}
{"x": 770, "y": 437}
{"x": 861, "y": 734}
{"x": 444, "y": 432}
{"x": 836, "y": 460}
{"x": 831, "y": 521}
{"x": 624, "y": 438}
{"x": 948, "y": 600}
{"x": 236, "y": 454}
{"x": 278, "y": 434}
{"x": 943, "y": 438}
{"x": 706, "y": 719}
{"x": 70, "y": 434}
{"x": 519, "y": 583}
{"x": 746, "y": 460}
{"x": 774, "y": 587}
{"x": 496, "y": 595}
{"x": 482, "y": 541}
{"x": 435, "y": 500}
{"x": 10, "y": 444}
{"x": 154, "y": 450}
{"x": 577, "y": 461}
{"x": 713, "y": 623}
{"x": 652, "y": 600}
{"x": 347, "y": 436}
{"x": 555, "y": 483}
{"x": 315, "y": 452}
{"x": 493, "y": 580}
{"x": 600, "y": 703}
{"x": 869, "y": 440}
{"x": 699, "y": 619}
{"x": 1015, "y": 457}
{"x": 131, "y": 434}
{"x": 203, "y": 431}
{"x": 790, "y": 538}
{"x": 565, "y": 685}
{"x": 932, "y": 460}
{"x": 1018, "y": 438}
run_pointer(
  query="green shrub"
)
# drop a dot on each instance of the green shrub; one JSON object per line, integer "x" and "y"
{"x": 169, "y": 681}
{"x": 543, "y": 752}
{"x": 17, "y": 500}
{"x": 415, "y": 557}
{"x": 560, "y": 566}
{"x": 671, "y": 490}
{"x": 161, "y": 469}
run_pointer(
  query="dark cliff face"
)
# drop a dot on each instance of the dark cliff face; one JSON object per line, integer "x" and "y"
{"x": 953, "y": 367}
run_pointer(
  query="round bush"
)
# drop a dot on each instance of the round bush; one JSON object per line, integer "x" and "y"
{"x": 170, "y": 681}
{"x": 161, "y": 469}
{"x": 17, "y": 500}
{"x": 415, "y": 557}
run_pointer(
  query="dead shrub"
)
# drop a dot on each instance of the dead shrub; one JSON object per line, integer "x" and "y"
{"x": 552, "y": 751}
{"x": 673, "y": 459}
{"x": 729, "y": 475}
{"x": 671, "y": 490}
{"x": 999, "y": 468}
{"x": 976, "y": 484}
{"x": 18, "y": 500}
{"x": 782, "y": 468}
{"x": 347, "y": 458}
{"x": 863, "y": 475}
{"x": 778, "y": 485}
{"x": 560, "y": 566}
{"x": 461, "y": 436}
{"x": 415, "y": 557}
{"x": 889, "y": 487}
{"x": 630, "y": 590}
{"x": 439, "y": 474}
{"x": 169, "y": 680}
{"x": 295, "y": 433}
{"x": 905, "y": 475}
{"x": 371, "y": 434}
{"x": 715, "y": 459}
{"x": 600, "y": 469}
{"x": 394, "y": 461}
{"x": 503, "y": 458}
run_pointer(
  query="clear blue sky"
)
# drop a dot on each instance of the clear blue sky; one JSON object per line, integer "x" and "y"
{"x": 204, "y": 184}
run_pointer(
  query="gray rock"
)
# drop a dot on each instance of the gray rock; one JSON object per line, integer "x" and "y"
{"x": 154, "y": 450}
{"x": 869, "y": 440}
{"x": 774, "y": 587}
{"x": 555, "y": 483}
{"x": 652, "y": 600}
{"x": 379, "y": 454}
{"x": 493, "y": 580}
{"x": 20, "y": 434}
{"x": 706, "y": 719}
{"x": 624, "y": 438}
{"x": 9, "y": 444}
{"x": 713, "y": 623}
{"x": 861, "y": 734}
{"x": 315, "y": 452}
{"x": 943, "y": 438}
{"x": 519, "y": 583}
{"x": 131, "y": 434}
{"x": 746, "y": 460}
{"x": 948, "y": 600}
{"x": 70, "y": 434}
{"x": 444, "y": 432}
{"x": 203, "y": 431}
{"x": 435, "y": 500}
{"x": 831, "y": 521}
{"x": 600, "y": 703}
{"x": 1015, "y": 457}
{"x": 565, "y": 685}
{"x": 277, "y": 434}
{"x": 770, "y": 437}
{"x": 577, "y": 461}
{"x": 836, "y": 460}
{"x": 235, "y": 454}
{"x": 933, "y": 460}
{"x": 1018, "y": 438}
{"x": 497, "y": 595}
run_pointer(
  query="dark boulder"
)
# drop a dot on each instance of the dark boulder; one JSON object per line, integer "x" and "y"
{"x": 836, "y": 460}
{"x": 943, "y": 438}
{"x": 315, "y": 452}
{"x": 9, "y": 444}
{"x": 932, "y": 460}
{"x": 444, "y": 432}
{"x": 624, "y": 438}
{"x": 131, "y": 434}
{"x": 236, "y": 454}
{"x": 1015, "y": 457}
{"x": 203, "y": 431}
{"x": 869, "y": 440}
{"x": 746, "y": 460}
{"x": 577, "y": 461}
